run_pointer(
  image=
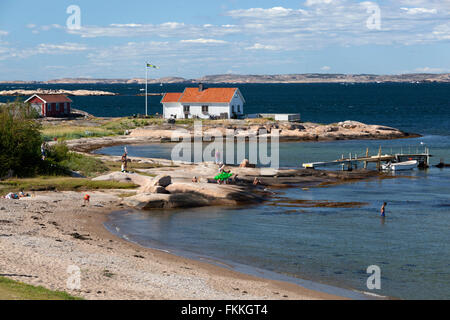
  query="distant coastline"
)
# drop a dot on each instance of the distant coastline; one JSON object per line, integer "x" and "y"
{"x": 279, "y": 78}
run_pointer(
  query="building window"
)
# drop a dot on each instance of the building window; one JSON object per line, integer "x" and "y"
{"x": 49, "y": 107}
{"x": 205, "y": 109}
{"x": 57, "y": 107}
{"x": 239, "y": 109}
{"x": 186, "y": 108}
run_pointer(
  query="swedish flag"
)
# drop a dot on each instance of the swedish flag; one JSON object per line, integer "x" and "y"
{"x": 152, "y": 66}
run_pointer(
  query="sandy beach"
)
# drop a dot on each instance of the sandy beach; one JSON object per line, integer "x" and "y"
{"x": 43, "y": 235}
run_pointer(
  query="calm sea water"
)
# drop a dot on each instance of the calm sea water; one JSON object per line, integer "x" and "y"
{"x": 329, "y": 245}
{"x": 421, "y": 108}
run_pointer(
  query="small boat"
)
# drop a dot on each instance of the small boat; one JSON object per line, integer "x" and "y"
{"x": 398, "y": 166}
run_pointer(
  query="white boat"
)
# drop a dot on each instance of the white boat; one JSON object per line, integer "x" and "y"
{"x": 397, "y": 166}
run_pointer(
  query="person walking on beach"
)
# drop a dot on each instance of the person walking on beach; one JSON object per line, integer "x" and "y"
{"x": 383, "y": 209}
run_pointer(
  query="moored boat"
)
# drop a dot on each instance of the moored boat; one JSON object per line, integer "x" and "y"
{"x": 398, "y": 166}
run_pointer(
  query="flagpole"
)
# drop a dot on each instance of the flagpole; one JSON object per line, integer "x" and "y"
{"x": 146, "y": 81}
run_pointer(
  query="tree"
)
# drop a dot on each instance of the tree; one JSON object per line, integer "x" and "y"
{"x": 20, "y": 139}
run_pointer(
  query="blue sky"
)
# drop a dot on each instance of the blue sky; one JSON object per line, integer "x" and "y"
{"x": 195, "y": 38}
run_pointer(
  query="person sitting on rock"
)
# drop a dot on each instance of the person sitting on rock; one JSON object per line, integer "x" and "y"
{"x": 256, "y": 181}
{"x": 222, "y": 169}
{"x": 194, "y": 180}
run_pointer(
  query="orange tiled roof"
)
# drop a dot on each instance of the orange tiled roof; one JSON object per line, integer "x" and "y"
{"x": 171, "y": 97}
{"x": 208, "y": 95}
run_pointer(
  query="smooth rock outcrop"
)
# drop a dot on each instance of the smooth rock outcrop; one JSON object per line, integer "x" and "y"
{"x": 189, "y": 195}
{"x": 162, "y": 180}
{"x": 156, "y": 185}
{"x": 148, "y": 201}
{"x": 125, "y": 177}
{"x": 213, "y": 191}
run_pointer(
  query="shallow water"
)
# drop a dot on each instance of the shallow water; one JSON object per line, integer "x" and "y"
{"x": 329, "y": 245}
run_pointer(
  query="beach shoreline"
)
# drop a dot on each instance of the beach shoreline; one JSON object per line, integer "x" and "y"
{"x": 56, "y": 229}
{"x": 40, "y": 234}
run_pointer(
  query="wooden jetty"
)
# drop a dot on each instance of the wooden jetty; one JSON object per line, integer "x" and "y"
{"x": 354, "y": 160}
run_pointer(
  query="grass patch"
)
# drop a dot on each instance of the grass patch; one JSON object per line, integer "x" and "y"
{"x": 88, "y": 166}
{"x": 96, "y": 127}
{"x": 48, "y": 183}
{"x": 73, "y": 132}
{"x": 14, "y": 290}
{"x": 119, "y": 125}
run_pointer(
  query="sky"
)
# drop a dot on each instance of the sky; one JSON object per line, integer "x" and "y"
{"x": 51, "y": 39}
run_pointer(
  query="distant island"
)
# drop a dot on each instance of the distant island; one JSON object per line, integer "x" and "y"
{"x": 278, "y": 78}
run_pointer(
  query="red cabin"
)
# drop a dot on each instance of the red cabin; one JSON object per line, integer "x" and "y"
{"x": 50, "y": 105}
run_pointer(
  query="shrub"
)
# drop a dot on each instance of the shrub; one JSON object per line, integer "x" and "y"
{"x": 20, "y": 139}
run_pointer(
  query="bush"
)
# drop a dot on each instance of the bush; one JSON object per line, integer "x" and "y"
{"x": 62, "y": 160}
{"x": 58, "y": 152}
{"x": 20, "y": 140}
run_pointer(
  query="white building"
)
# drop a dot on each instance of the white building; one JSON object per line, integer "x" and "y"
{"x": 201, "y": 102}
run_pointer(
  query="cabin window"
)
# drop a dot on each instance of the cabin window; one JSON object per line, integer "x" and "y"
{"x": 239, "y": 109}
{"x": 49, "y": 107}
{"x": 57, "y": 107}
{"x": 205, "y": 109}
{"x": 186, "y": 108}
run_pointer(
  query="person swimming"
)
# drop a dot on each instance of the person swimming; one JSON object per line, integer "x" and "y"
{"x": 383, "y": 209}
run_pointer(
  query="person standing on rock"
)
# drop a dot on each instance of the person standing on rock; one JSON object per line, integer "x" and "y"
{"x": 124, "y": 163}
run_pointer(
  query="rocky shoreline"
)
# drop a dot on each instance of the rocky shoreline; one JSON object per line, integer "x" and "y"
{"x": 240, "y": 129}
{"x": 21, "y": 92}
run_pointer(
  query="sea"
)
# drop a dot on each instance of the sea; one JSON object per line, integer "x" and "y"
{"x": 329, "y": 249}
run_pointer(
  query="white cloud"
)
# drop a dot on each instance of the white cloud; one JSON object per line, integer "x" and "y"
{"x": 60, "y": 48}
{"x": 255, "y": 13}
{"x": 204, "y": 41}
{"x": 43, "y": 48}
{"x": 317, "y": 2}
{"x": 419, "y": 10}
{"x": 325, "y": 68}
{"x": 442, "y": 32}
{"x": 259, "y": 46}
{"x": 3, "y": 33}
{"x": 164, "y": 30}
